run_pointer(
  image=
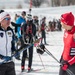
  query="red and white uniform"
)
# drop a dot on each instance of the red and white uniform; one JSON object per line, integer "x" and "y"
{"x": 69, "y": 42}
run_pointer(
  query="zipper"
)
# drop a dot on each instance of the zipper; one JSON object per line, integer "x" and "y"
{"x": 6, "y": 43}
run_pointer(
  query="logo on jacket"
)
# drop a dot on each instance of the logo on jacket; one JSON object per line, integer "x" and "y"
{"x": 9, "y": 33}
{"x": 1, "y": 34}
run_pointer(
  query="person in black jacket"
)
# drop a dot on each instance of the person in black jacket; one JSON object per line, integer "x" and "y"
{"x": 7, "y": 66}
{"x": 43, "y": 32}
{"x": 28, "y": 32}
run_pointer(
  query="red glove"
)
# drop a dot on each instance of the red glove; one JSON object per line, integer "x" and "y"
{"x": 64, "y": 67}
{"x": 72, "y": 61}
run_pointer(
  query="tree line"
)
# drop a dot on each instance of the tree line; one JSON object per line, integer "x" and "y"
{"x": 53, "y": 3}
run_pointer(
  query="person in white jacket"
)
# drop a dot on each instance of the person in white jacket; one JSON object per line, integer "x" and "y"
{"x": 7, "y": 66}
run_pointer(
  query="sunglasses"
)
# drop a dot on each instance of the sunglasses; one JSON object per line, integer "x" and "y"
{"x": 7, "y": 19}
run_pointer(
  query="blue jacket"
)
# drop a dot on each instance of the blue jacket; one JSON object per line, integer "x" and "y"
{"x": 20, "y": 20}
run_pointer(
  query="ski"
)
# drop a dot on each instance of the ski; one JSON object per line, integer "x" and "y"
{"x": 32, "y": 71}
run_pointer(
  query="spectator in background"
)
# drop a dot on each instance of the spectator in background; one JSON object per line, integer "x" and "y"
{"x": 16, "y": 16}
{"x": 42, "y": 30}
{"x": 20, "y": 20}
{"x": 59, "y": 25}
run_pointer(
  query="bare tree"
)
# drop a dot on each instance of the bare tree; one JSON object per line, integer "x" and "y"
{"x": 71, "y": 2}
{"x": 62, "y": 2}
{"x": 19, "y": 6}
{"x": 37, "y": 3}
{"x": 53, "y": 3}
{"x": 56, "y": 2}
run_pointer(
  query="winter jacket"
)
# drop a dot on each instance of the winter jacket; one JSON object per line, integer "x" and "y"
{"x": 43, "y": 25}
{"x": 20, "y": 20}
{"x": 69, "y": 42}
{"x": 6, "y": 42}
{"x": 29, "y": 29}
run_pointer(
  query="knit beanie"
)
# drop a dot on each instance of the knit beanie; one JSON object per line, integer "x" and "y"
{"x": 68, "y": 19}
{"x": 3, "y": 15}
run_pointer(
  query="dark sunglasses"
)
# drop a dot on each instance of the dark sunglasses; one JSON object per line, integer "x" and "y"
{"x": 7, "y": 19}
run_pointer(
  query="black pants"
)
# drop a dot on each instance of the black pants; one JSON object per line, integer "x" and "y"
{"x": 30, "y": 52}
{"x": 71, "y": 67}
{"x": 7, "y": 69}
{"x": 43, "y": 34}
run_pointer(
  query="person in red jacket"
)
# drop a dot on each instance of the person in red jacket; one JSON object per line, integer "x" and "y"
{"x": 68, "y": 56}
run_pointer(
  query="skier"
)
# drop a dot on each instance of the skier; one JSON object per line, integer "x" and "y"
{"x": 16, "y": 17}
{"x": 29, "y": 31}
{"x": 6, "y": 45}
{"x": 20, "y": 20}
{"x": 42, "y": 30}
{"x": 68, "y": 56}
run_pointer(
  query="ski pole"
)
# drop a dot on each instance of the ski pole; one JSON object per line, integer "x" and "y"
{"x": 20, "y": 50}
{"x": 41, "y": 61}
{"x": 49, "y": 53}
{"x": 15, "y": 54}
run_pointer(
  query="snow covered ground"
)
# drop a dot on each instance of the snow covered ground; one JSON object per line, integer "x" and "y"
{"x": 45, "y": 64}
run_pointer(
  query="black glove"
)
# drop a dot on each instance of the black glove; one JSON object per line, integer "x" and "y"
{"x": 42, "y": 46}
{"x": 14, "y": 24}
{"x": 41, "y": 49}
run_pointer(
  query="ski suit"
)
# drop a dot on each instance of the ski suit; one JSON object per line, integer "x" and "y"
{"x": 69, "y": 50}
{"x": 43, "y": 33}
{"x": 6, "y": 49}
{"x": 28, "y": 32}
{"x": 20, "y": 20}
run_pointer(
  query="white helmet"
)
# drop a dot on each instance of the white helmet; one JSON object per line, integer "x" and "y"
{"x": 29, "y": 17}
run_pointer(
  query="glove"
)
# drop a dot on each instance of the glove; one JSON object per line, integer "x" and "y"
{"x": 40, "y": 51}
{"x": 64, "y": 65}
{"x": 6, "y": 58}
{"x": 14, "y": 24}
{"x": 72, "y": 61}
{"x": 42, "y": 46}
